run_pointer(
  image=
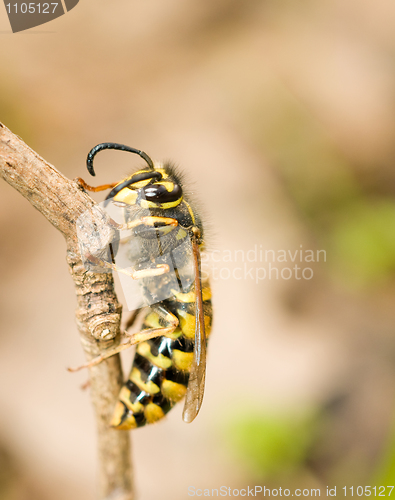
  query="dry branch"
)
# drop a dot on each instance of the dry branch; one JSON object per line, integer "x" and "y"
{"x": 98, "y": 313}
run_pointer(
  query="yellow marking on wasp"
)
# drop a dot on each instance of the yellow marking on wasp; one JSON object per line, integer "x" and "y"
{"x": 143, "y": 183}
{"x": 152, "y": 320}
{"x": 170, "y": 224}
{"x": 174, "y": 335}
{"x": 129, "y": 423}
{"x": 153, "y": 413}
{"x": 160, "y": 360}
{"x": 207, "y": 325}
{"x": 161, "y": 170}
{"x": 151, "y": 204}
{"x": 182, "y": 360}
{"x": 124, "y": 396}
{"x": 139, "y": 184}
{"x": 165, "y": 229}
{"x": 171, "y": 319}
{"x": 191, "y": 296}
{"x": 150, "y": 221}
{"x": 168, "y": 185}
{"x": 187, "y": 323}
{"x": 181, "y": 234}
{"x": 190, "y": 211}
{"x": 149, "y": 386}
{"x": 126, "y": 196}
{"x": 173, "y": 391}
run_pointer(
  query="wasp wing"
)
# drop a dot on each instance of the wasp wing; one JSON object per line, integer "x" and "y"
{"x": 195, "y": 391}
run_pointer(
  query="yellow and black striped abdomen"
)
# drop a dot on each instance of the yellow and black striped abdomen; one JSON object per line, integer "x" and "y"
{"x": 160, "y": 371}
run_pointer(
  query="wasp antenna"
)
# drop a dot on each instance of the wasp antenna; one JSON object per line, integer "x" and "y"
{"x": 112, "y": 145}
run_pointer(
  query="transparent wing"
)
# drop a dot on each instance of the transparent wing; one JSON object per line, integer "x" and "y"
{"x": 195, "y": 391}
{"x": 140, "y": 247}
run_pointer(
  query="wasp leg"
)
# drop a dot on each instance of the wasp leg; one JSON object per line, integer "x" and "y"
{"x": 149, "y": 221}
{"x": 158, "y": 270}
{"x": 138, "y": 337}
{"x": 133, "y": 339}
{"x": 87, "y": 187}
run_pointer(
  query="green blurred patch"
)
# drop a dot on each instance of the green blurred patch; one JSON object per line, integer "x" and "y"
{"x": 363, "y": 241}
{"x": 385, "y": 473}
{"x": 271, "y": 444}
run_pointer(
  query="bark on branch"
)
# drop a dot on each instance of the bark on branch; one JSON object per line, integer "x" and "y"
{"x": 98, "y": 313}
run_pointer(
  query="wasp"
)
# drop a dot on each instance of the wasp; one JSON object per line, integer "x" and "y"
{"x": 163, "y": 251}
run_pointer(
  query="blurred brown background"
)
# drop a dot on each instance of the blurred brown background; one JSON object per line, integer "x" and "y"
{"x": 282, "y": 115}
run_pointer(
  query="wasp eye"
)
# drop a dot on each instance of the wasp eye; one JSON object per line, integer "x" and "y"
{"x": 158, "y": 193}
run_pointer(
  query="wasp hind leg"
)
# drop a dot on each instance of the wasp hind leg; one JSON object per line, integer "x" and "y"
{"x": 163, "y": 315}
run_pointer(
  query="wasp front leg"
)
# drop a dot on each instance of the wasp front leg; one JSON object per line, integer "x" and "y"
{"x": 150, "y": 272}
{"x": 161, "y": 224}
{"x": 165, "y": 324}
{"x": 94, "y": 189}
